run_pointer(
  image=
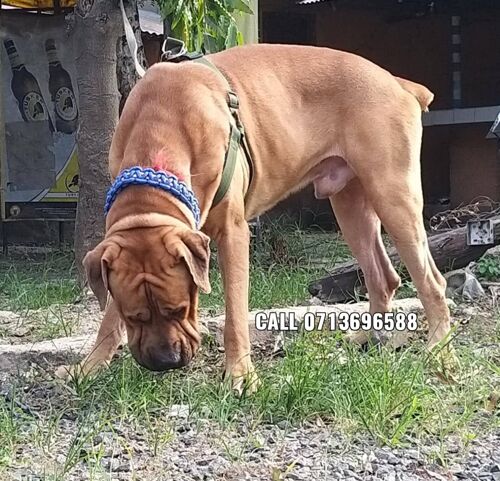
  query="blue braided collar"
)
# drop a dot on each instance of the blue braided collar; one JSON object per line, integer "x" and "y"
{"x": 161, "y": 180}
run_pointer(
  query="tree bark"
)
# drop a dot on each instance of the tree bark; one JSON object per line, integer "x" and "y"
{"x": 97, "y": 28}
{"x": 449, "y": 250}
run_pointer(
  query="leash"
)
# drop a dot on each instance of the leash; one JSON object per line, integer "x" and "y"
{"x": 131, "y": 41}
{"x": 174, "y": 50}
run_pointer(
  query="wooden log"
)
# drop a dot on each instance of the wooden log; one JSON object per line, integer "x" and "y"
{"x": 449, "y": 249}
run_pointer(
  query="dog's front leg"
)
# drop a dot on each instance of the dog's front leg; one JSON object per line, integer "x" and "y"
{"x": 109, "y": 338}
{"x": 233, "y": 257}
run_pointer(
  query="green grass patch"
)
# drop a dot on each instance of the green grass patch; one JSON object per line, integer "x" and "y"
{"x": 392, "y": 396}
{"x": 282, "y": 265}
{"x": 10, "y": 428}
{"x": 38, "y": 281}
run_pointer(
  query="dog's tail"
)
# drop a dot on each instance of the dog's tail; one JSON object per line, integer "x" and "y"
{"x": 421, "y": 93}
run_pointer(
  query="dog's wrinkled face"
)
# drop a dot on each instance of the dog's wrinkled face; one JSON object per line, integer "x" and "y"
{"x": 153, "y": 276}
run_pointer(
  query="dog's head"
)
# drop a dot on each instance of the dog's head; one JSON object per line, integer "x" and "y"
{"x": 153, "y": 276}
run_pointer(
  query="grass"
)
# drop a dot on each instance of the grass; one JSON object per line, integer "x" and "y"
{"x": 391, "y": 397}
{"x": 282, "y": 265}
{"x": 388, "y": 394}
{"x": 37, "y": 281}
{"x": 35, "y": 286}
{"x": 10, "y": 427}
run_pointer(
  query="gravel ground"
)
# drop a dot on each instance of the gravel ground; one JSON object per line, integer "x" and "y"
{"x": 200, "y": 449}
{"x": 309, "y": 452}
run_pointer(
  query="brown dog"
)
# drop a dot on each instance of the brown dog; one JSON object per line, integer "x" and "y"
{"x": 311, "y": 115}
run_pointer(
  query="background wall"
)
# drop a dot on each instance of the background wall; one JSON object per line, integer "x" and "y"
{"x": 458, "y": 162}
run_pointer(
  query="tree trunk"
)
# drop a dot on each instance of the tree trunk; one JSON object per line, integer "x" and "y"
{"x": 97, "y": 28}
{"x": 125, "y": 67}
{"x": 449, "y": 250}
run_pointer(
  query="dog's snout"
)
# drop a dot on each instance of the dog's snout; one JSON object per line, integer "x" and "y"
{"x": 164, "y": 359}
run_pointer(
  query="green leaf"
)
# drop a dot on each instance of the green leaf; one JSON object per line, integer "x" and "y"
{"x": 232, "y": 36}
{"x": 210, "y": 43}
{"x": 211, "y": 24}
{"x": 205, "y": 25}
{"x": 178, "y": 12}
{"x": 242, "y": 6}
{"x": 241, "y": 41}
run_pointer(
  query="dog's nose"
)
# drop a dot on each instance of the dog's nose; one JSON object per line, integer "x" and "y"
{"x": 163, "y": 359}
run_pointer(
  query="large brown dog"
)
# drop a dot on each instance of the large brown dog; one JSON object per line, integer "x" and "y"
{"x": 311, "y": 115}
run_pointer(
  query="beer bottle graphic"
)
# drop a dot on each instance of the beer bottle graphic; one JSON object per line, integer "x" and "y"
{"x": 26, "y": 89}
{"x": 61, "y": 90}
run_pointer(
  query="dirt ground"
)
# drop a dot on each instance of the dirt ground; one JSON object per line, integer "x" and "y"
{"x": 57, "y": 431}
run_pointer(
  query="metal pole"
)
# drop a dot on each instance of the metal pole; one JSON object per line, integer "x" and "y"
{"x": 456, "y": 60}
{"x": 3, "y": 150}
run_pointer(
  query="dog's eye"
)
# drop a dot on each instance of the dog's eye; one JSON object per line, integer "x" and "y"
{"x": 144, "y": 315}
{"x": 173, "y": 313}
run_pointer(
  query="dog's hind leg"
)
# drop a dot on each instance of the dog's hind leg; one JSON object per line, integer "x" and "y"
{"x": 401, "y": 215}
{"x": 360, "y": 226}
{"x": 388, "y": 167}
{"x": 109, "y": 338}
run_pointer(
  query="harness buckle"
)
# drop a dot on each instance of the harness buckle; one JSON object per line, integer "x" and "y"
{"x": 232, "y": 100}
{"x": 172, "y": 48}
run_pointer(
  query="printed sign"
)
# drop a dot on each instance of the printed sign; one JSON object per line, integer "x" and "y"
{"x": 40, "y": 110}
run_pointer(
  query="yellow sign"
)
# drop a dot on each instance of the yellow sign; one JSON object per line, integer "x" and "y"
{"x": 66, "y": 186}
{"x": 43, "y": 4}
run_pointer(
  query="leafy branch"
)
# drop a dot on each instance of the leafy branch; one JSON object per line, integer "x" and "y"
{"x": 205, "y": 25}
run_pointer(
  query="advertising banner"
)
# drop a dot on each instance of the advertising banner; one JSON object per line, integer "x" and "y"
{"x": 39, "y": 168}
{"x": 39, "y": 4}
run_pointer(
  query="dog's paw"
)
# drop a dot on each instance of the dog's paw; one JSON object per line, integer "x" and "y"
{"x": 246, "y": 384}
{"x": 80, "y": 370}
{"x": 445, "y": 363}
{"x": 359, "y": 338}
{"x": 244, "y": 380}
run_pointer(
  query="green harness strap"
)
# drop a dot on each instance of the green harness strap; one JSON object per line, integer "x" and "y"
{"x": 236, "y": 138}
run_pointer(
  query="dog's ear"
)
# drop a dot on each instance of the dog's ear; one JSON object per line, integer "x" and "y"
{"x": 96, "y": 263}
{"x": 194, "y": 249}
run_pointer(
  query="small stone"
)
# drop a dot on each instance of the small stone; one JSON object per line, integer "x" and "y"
{"x": 123, "y": 467}
{"x": 21, "y": 331}
{"x": 111, "y": 464}
{"x": 386, "y": 473}
{"x": 254, "y": 456}
{"x": 413, "y": 454}
{"x": 184, "y": 427}
{"x": 351, "y": 474}
{"x": 179, "y": 411}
